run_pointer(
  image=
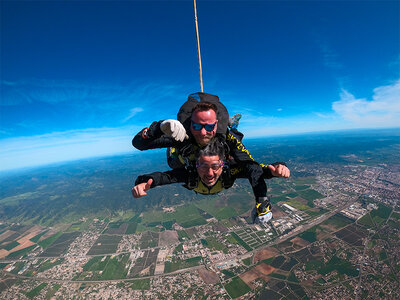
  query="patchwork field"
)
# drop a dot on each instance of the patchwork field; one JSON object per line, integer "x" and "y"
{"x": 60, "y": 245}
{"x": 145, "y": 264}
{"x": 352, "y": 235}
{"x": 116, "y": 228}
{"x": 168, "y": 237}
{"x": 208, "y": 277}
{"x": 149, "y": 239}
{"x": 260, "y": 271}
{"x": 265, "y": 253}
{"x": 299, "y": 241}
{"x": 105, "y": 268}
{"x": 237, "y": 287}
{"x": 105, "y": 244}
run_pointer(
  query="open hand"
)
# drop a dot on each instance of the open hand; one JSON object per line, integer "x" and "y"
{"x": 279, "y": 171}
{"x": 141, "y": 189}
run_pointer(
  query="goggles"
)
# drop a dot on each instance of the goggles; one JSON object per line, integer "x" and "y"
{"x": 206, "y": 167}
{"x": 207, "y": 127}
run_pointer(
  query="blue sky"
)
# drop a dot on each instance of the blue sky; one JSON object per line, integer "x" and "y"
{"x": 80, "y": 78}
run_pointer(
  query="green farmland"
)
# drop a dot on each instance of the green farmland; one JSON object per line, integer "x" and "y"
{"x": 237, "y": 287}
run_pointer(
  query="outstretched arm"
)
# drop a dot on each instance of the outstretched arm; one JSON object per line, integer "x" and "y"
{"x": 153, "y": 136}
{"x": 145, "y": 182}
{"x": 277, "y": 169}
{"x": 252, "y": 170}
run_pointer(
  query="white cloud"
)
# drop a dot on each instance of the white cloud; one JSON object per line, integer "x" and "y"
{"x": 132, "y": 113}
{"x": 382, "y": 111}
{"x": 323, "y": 116}
{"x": 54, "y": 147}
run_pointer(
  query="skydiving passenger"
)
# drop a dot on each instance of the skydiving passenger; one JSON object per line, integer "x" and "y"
{"x": 200, "y": 122}
{"x": 210, "y": 176}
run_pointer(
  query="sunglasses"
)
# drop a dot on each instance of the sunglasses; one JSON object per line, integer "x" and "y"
{"x": 206, "y": 167}
{"x": 207, "y": 127}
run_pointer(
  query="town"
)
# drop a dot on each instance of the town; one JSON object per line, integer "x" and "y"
{"x": 330, "y": 237}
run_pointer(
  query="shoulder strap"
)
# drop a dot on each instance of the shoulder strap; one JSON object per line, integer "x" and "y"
{"x": 226, "y": 177}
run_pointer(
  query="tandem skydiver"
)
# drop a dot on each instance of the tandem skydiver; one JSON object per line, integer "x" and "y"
{"x": 210, "y": 175}
{"x": 202, "y": 119}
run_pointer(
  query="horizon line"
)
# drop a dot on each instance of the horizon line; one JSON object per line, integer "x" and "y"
{"x": 7, "y": 171}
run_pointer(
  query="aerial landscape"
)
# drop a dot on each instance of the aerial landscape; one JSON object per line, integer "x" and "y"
{"x": 335, "y": 231}
{"x": 87, "y": 86}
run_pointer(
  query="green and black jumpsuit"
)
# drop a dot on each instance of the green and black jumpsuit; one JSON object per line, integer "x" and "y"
{"x": 152, "y": 137}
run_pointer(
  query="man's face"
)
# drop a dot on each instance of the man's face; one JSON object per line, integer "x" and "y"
{"x": 202, "y": 136}
{"x": 209, "y": 169}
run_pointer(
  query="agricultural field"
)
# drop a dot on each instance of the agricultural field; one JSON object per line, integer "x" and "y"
{"x": 316, "y": 212}
{"x": 251, "y": 237}
{"x": 301, "y": 187}
{"x": 49, "y": 263}
{"x": 278, "y": 289}
{"x": 6, "y": 282}
{"x": 131, "y": 228}
{"x": 296, "y": 203}
{"x": 227, "y": 223}
{"x": 149, "y": 239}
{"x": 236, "y": 287}
{"x": 182, "y": 235}
{"x": 304, "y": 180}
{"x": 225, "y": 206}
{"x": 10, "y": 245}
{"x": 337, "y": 221}
{"x": 50, "y": 240}
{"x": 277, "y": 199}
{"x": 366, "y": 221}
{"x": 36, "y": 238}
{"x": 21, "y": 253}
{"x": 310, "y": 195}
{"x": 352, "y": 234}
{"x": 36, "y": 291}
{"x": 212, "y": 243}
{"x": 116, "y": 228}
{"x": 276, "y": 189}
{"x": 8, "y": 236}
{"x": 193, "y": 222}
{"x": 140, "y": 284}
{"x": 181, "y": 264}
{"x": 105, "y": 268}
{"x": 60, "y": 245}
{"x": 240, "y": 241}
{"x": 168, "y": 237}
{"x": 381, "y": 214}
{"x": 313, "y": 234}
{"x": 145, "y": 264}
{"x": 105, "y": 244}
{"x": 340, "y": 265}
{"x": 289, "y": 264}
{"x": 278, "y": 261}
{"x": 187, "y": 216}
{"x": 79, "y": 226}
{"x": 18, "y": 266}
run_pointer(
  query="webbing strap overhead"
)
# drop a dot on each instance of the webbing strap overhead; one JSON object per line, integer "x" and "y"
{"x": 198, "y": 45}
